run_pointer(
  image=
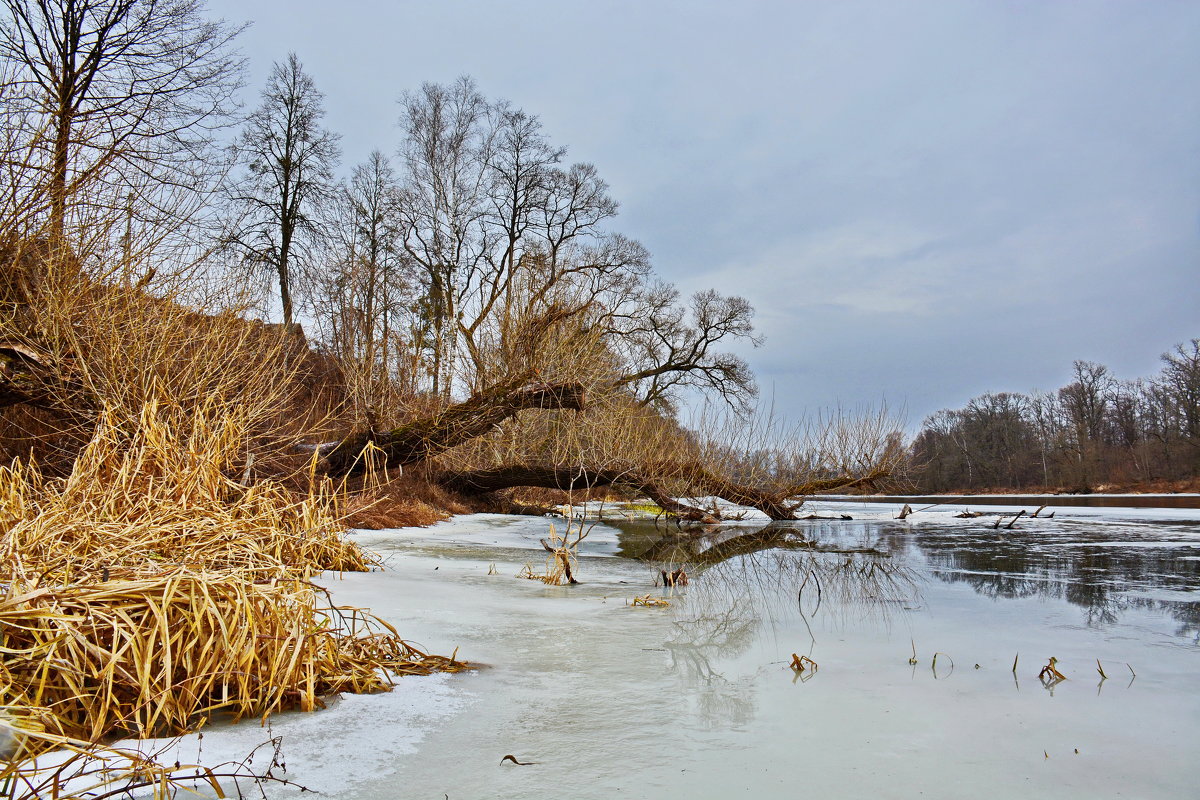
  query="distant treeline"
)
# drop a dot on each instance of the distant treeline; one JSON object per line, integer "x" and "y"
{"x": 1094, "y": 431}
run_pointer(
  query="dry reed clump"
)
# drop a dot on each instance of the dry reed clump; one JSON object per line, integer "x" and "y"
{"x": 157, "y": 656}
{"x": 149, "y": 589}
{"x": 562, "y": 559}
{"x": 160, "y": 498}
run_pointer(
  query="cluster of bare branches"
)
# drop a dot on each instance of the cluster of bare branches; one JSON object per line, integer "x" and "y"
{"x": 113, "y": 109}
{"x": 446, "y": 272}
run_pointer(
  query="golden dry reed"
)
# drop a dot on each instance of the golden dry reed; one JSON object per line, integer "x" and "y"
{"x": 160, "y": 498}
{"x": 157, "y": 656}
{"x": 150, "y": 589}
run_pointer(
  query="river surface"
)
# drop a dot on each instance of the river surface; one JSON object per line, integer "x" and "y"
{"x": 697, "y": 700}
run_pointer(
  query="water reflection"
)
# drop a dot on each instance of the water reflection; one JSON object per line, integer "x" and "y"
{"x": 746, "y": 579}
{"x": 743, "y": 577}
{"x": 706, "y": 546}
{"x": 779, "y": 565}
{"x": 1103, "y": 574}
{"x": 871, "y": 567}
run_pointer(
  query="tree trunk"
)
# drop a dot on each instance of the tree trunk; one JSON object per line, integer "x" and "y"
{"x": 427, "y": 437}
{"x": 568, "y": 479}
{"x": 649, "y": 481}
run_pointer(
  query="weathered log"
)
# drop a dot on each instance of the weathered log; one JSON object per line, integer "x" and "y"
{"x": 648, "y": 481}
{"x": 427, "y": 437}
{"x": 779, "y": 504}
{"x": 568, "y": 479}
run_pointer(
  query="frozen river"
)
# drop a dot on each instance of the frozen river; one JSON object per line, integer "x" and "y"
{"x": 696, "y": 700}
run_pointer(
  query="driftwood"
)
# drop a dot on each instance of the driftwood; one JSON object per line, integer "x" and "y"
{"x": 461, "y": 422}
{"x": 1000, "y": 519}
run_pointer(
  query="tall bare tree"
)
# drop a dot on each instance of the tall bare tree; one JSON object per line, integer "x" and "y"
{"x": 446, "y": 148}
{"x": 289, "y": 176}
{"x": 519, "y": 163}
{"x": 1179, "y": 388}
{"x": 365, "y": 290}
{"x": 509, "y": 240}
{"x": 129, "y": 93}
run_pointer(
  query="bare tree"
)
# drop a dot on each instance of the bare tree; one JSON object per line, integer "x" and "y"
{"x": 365, "y": 291}
{"x": 289, "y": 160}
{"x": 1086, "y": 398}
{"x": 521, "y": 167}
{"x": 129, "y": 93}
{"x": 1179, "y": 387}
{"x": 508, "y": 239}
{"x": 24, "y": 198}
{"x": 445, "y": 151}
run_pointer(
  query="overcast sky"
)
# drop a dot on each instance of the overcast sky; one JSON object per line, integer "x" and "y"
{"x": 923, "y": 200}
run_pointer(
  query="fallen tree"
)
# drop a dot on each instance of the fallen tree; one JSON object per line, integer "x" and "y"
{"x": 27, "y": 378}
{"x": 487, "y": 481}
{"x": 778, "y": 504}
{"x": 426, "y": 437}
{"x": 664, "y": 482}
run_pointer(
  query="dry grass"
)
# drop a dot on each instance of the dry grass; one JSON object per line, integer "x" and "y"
{"x": 160, "y": 498}
{"x": 149, "y": 577}
{"x": 150, "y": 589}
{"x": 158, "y": 656}
{"x": 406, "y": 500}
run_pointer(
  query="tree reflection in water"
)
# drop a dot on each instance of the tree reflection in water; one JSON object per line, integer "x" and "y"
{"x": 743, "y": 578}
{"x": 1091, "y": 568}
{"x": 1105, "y": 570}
